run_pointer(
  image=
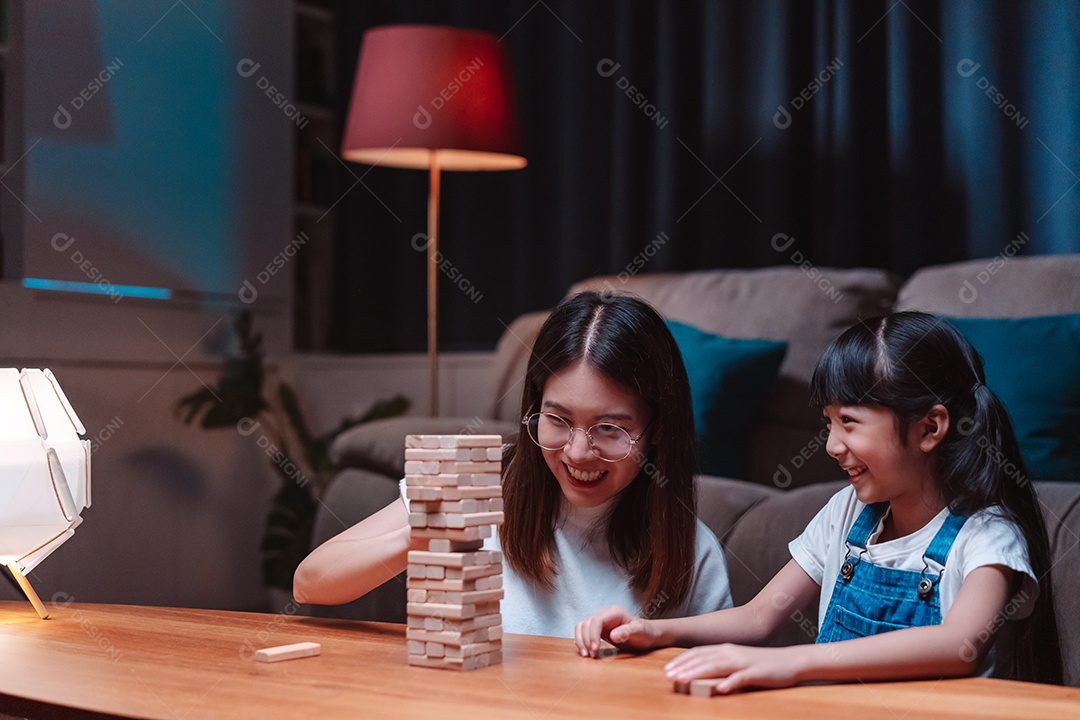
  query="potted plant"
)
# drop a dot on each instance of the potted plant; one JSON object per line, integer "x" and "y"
{"x": 301, "y": 458}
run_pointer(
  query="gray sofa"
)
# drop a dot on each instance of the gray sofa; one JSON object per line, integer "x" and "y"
{"x": 788, "y": 474}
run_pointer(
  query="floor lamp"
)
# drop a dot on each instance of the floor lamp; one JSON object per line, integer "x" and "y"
{"x": 435, "y": 98}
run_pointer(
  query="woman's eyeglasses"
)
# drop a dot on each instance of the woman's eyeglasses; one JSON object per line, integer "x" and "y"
{"x": 608, "y": 442}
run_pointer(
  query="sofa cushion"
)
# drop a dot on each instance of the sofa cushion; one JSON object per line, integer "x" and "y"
{"x": 999, "y": 287}
{"x": 1033, "y": 364}
{"x": 511, "y": 361}
{"x": 730, "y": 379}
{"x": 379, "y": 446}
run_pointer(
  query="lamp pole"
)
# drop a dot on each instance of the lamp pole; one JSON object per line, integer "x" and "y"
{"x": 432, "y": 284}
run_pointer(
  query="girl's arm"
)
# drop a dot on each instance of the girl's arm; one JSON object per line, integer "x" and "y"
{"x": 357, "y": 560}
{"x": 953, "y": 648}
{"x": 788, "y": 592}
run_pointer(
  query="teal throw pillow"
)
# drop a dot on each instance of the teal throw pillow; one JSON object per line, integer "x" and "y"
{"x": 1033, "y": 365}
{"x": 730, "y": 379}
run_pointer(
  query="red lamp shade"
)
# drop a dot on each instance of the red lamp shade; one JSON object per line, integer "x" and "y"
{"x": 423, "y": 91}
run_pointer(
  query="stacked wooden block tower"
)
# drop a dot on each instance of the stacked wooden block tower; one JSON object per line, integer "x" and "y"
{"x": 454, "y": 587}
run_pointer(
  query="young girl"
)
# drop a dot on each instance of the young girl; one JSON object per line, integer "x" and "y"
{"x": 598, "y": 490}
{"x": 932, "y": 539}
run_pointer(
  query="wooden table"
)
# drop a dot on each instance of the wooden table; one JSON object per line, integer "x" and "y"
{"x": 176, "y": 663}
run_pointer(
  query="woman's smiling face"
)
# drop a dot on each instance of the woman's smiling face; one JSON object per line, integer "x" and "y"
{"x": 584, "y": 397}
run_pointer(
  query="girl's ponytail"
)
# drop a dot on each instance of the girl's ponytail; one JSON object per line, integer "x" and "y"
{"x": 981, "y": 468}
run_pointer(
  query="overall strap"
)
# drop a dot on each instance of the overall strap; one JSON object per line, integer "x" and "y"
{"x": 943, "y": 541}
{"x": 865, "y": 524}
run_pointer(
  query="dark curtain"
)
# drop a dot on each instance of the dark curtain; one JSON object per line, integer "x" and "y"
{"x": 667, "y": 136}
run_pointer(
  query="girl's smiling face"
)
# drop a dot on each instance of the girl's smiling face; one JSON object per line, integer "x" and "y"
{"x": 583, "y": 397}
{"x": 865, "y": 440}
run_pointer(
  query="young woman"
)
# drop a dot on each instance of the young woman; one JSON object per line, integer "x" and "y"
{"x": 598, "y": 489}
{"x": 931, "y": 553}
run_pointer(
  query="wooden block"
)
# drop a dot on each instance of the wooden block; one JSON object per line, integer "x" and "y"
{"x": 471, "y": 649}
{"x": 465, "y": 520}
{"x": 416, "y": 623}
{"x": 435, "y": 650}
{"x": 456, "y": 546}
{"x": 434, "y": 572}
{"x": 463, "y": 467}
{"x": 439, "y": 454}
{"x": 452, "y": 559}
{"x": 434, "y": 480}
{"x": 477, "y": 623}
{"x": 476, "y": 532}
{"x": 462, "y": 492}
{"x": 491, "y": 582}
{"x": 473, "y": 597}
{"x": 495, "y": 505}
{"x": 470, "y": 663}
{"x": 442, "y": 610}
{"x": 698, "y": 688}
{"x": 473, "y": 572}
{"x": 415, "y": 594}
{"x": 415, "y": 647}
{"x": 422, "y": 493}
{"x": 451, "y": 585}
{"x": 288, "y": 652}
{"x": 432, "y": 623}
{"x": 474, "y": 441}
{"x": 457, "y": 639}
{"x": 421, "y": 467}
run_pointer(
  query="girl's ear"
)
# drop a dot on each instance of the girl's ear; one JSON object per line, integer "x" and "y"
{"x": 933, "y": 427}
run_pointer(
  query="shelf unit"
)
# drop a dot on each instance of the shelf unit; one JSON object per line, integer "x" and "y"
{"x": 316, "y": 187}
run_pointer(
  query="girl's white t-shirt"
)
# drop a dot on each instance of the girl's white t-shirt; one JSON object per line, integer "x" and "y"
{"x": 986, "y": 538}
{"x": 588, "y": 580}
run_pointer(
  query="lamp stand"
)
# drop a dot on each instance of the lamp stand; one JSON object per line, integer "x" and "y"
{"x": 28, "y": 590}
{"x": 432, "y": 285}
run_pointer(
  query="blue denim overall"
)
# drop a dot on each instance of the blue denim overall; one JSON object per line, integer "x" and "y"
{"x": 868, "y": 599}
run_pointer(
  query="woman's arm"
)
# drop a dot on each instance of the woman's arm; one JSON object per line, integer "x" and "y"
{"x": 356, "y": 561}
{"x": 953, "y": 648}
{"x": 789, "y": 591}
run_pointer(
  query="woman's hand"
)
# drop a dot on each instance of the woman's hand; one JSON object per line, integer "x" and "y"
{"x": 617, "y": 626}
{"x": 739, "y": 666}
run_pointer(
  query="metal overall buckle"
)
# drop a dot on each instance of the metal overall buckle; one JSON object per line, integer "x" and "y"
{"x": 926, "y": 585}
{"x": 847, "y": 570}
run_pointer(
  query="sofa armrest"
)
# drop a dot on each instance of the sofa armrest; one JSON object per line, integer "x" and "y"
{"x": 379, "y": 446}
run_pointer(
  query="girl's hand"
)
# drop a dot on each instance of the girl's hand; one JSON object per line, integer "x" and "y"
{"x": 739, "y": 665}
{"x": 618, "y": 627}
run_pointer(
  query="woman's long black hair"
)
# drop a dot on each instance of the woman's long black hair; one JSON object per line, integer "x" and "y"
{"x": 911, "y": 361}
{"x": 652, "y": 526}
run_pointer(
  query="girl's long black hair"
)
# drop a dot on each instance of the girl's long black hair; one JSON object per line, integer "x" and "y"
{"x": 911, "y": 361}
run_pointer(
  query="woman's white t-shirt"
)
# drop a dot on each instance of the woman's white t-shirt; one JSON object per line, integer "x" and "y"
{"x": 986, "y": 538}
{"x": 588, "y": 580}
